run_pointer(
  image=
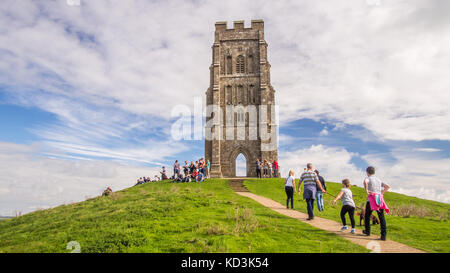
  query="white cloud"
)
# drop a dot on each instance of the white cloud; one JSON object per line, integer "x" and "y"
{"x": 324, "y": 132}
{"x": 414, "y": 174}
{"x": 427, "y": 150}
{"x": 333, "y": 163}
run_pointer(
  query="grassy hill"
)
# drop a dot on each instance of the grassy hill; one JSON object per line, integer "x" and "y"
{"x": 420, "y": 223}
{"x": 167, "y": 217}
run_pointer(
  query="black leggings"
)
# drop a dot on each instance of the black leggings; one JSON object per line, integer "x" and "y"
{"x": 351, "y": 213}
{"x": 258, "y": 173}
{"x": 290, "y": 195}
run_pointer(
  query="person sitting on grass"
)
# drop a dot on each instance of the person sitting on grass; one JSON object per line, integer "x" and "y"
{"x": 194, "y": 174}
{"x": 107, "y": 192}
{"x": 163, "y": 173}
{"x": 200, "y": 177}
{"x": 348, "y": 205}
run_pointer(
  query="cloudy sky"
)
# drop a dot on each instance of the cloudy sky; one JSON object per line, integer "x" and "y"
{"x": 87, "y": 91}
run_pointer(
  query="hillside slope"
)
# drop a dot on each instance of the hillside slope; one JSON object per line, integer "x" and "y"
{"x": 167, "y": 217}
{"x": 416, "y": 222}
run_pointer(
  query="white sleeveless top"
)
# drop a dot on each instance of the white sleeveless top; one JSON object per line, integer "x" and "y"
{"x": 290, "y": 181}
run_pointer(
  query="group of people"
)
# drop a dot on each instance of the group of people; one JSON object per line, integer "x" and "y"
{"x": 191, "y": 172}
{"x": 269, "y": 169}
{"x": 144, "y": 179}
{"x": 314, "y": 188}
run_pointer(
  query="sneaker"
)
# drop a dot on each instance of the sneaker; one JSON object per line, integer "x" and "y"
{"x": 353, "y": 231}
{"x": 365, "y": 233}
{"x": 309, "y": 218}
{"x": 344, "y": 228}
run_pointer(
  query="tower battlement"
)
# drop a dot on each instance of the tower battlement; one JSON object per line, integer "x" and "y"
{"x": 239, "y": 26}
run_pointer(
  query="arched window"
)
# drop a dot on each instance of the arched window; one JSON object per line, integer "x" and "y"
{"x": 229, "y": 65}
{"x": 240, "y": 64}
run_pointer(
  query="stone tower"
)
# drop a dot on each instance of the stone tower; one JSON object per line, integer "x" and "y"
{"x": 239, "y": 87}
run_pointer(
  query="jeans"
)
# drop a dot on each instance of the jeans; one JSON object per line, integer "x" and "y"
{"x": 351, "y": 214}
{"x": 319, "y": 197}
{"x": 290, "y": 196}
{"x": 258, "y": 173}
{"x": 380, "y": 216}
{"x": 310, "y": 207}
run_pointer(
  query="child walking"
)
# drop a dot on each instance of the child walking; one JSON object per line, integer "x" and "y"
{"x": 289, "y": 186}
{"x": 348, "y": 205}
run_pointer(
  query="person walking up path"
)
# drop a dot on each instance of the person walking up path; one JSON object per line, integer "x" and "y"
{"x": 319, "y": 194}
{"x": 375, "y": 201}
{"x": 311, "y": 182}
{"x": 289, "y": 186}
{"x": 348, "y": 205}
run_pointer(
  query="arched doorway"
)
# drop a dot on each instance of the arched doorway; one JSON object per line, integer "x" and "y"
{"x": 241, "y": 165}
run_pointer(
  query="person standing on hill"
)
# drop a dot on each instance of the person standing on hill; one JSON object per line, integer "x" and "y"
{"x": 373, "y": 186}
{"x": 270, "y": 169}
{"x": 265, "y": 168}
{"x": 319, "y": 194}
{"x": 311, "y": 181}
{"x": 275, "y": 168}
{"x": 176, "y": 169}
{"x": 258, "y": 168}
{"x": 208, "y": 167}
{"x": 289, "y": 186}
{"x": 348, "y": 205}
{"x": 186, "y": 168}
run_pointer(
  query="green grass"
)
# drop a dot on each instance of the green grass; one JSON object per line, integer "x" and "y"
{"x": 167, "y": 217}
{"x": 427, "y": 229}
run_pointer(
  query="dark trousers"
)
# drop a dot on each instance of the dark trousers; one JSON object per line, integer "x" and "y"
{"x": 290, "y": 196}
{"x": 258, "y": 173}
{"x": 380, "y": 216}
{"x": 351, "y": 214}
{"x": 310, "y": 207}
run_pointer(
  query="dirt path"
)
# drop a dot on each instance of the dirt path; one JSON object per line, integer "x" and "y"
{"x": 371, "y": 242}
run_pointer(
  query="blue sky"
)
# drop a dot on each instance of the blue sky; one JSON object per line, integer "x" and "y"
{"x": 87, "y": 92}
